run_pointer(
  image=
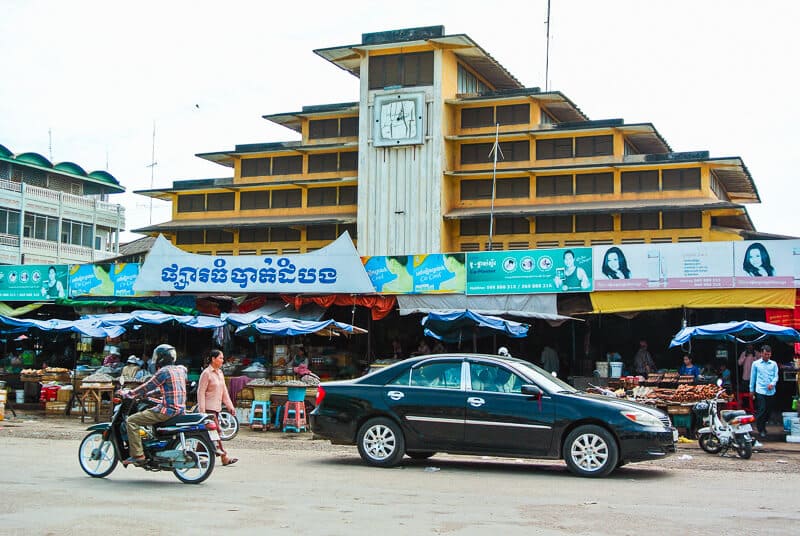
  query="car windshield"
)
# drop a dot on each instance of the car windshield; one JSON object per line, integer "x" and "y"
{"x": 543, "y": 378}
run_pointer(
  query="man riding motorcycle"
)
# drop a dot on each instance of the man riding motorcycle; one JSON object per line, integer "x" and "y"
{"x": 170, "y": 379}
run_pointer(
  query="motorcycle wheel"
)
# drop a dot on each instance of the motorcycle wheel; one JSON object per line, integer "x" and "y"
{"x": 199, "y": 449}
{"x": 98, "y": 457}
{"x": 709, "y": 443}
{"x": 228, "y": 425}
{"x": 744, "y": 448}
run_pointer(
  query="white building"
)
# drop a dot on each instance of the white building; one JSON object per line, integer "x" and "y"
{"x": 53, "y": 214}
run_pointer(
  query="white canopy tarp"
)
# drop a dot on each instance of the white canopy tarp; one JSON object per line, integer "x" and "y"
{"x": 542, "y": 306}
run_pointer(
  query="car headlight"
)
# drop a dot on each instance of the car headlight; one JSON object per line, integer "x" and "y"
{"x": 643, "y": 418}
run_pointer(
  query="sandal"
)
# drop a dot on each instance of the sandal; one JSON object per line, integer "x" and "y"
{"x": 229, "y": 461}
{"x": 134, "y": 461}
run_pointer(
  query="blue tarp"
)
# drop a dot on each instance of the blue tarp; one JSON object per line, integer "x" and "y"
{"x": 88, "y": 327}
{"x": 457, "y": 326}
{"x": 287, "y": 327}
{"x": 743, "y": 331}
{"x": 156, "y": 317}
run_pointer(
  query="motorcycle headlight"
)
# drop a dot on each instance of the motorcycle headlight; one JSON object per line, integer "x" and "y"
{"x": 643, "y": 418}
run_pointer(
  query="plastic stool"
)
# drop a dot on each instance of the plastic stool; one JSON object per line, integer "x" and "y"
{"x": 746, "y": 402}
{"x": 259, "y": 414}
{"x": 294, "y": 417}
{"x": 278, "y": 416}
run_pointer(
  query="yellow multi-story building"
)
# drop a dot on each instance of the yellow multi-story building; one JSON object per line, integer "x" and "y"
{"x": 409, "y": 168}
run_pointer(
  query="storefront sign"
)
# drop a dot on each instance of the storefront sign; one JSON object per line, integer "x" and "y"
{"x": 664, "y": 266}
{"x": 417, "y": 274}
{"x": 767, "y": 264}
{"x": 530, "y": 272}
{"x": 334, "y": 268}
{"x": 103, "y": 279}
{"x": 33, "y": 282}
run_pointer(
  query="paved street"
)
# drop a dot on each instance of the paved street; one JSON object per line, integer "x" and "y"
{"x": 293, "y": 484}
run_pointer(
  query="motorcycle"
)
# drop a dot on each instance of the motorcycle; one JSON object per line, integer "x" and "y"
{"x": 724, "y": 429}
{"x": 184, "y": 444}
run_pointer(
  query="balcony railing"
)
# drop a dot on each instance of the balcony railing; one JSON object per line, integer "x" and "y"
{"x": 103, "y": 208}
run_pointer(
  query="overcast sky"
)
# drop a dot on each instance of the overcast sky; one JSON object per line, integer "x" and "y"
{"x": 710, "y": 75}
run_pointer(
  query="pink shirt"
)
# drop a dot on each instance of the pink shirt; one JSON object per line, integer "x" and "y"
{"x": 212, "y": 391}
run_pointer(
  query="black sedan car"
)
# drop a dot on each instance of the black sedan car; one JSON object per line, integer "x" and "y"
{"x": 486, "y": 405}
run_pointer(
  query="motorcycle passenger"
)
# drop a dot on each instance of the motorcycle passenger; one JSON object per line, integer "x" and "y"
{"x": 170, "y": 379}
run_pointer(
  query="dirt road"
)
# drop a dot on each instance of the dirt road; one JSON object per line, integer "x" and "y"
{"x": 310, "y": 487}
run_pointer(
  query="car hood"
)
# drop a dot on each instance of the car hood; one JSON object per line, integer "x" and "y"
{"x": 616, "y": 403}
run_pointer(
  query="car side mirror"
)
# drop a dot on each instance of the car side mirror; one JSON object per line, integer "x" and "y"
{"x": 531, "y": 390}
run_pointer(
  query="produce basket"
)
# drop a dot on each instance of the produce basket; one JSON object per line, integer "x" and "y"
{"x": 261, "y": 392}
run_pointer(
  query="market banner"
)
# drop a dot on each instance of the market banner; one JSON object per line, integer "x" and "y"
{"x": 695, "y": 265}
{"x": 438, "y": 273}
{"x": 334, "y": 268}
{"x": 29, "y": 282}
{"x": 530, "y": 271}
{"x": 767, "y": 264}
{"x": 103, "y": 280}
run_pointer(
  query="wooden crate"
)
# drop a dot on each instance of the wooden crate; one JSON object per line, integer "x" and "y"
{"x": 63, "y": 395}
{"x": 55, "y": 407}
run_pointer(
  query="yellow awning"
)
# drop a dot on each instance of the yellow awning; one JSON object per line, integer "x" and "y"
{"x": 627, "y": 301}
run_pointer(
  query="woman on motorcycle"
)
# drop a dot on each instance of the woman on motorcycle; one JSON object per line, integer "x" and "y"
{"x": 212, "y": 393}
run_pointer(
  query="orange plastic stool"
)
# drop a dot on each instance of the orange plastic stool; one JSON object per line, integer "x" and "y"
{"x": 294, "y": 417}
{"x": 746, "y": 402}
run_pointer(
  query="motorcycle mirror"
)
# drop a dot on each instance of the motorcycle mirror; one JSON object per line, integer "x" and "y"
{"x": 719, "y": 382}
{"x": 555, "y": 374}
{"x": 121, "y": 381}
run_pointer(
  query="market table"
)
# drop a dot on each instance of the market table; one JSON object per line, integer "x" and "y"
{"x": 93, "y": 394}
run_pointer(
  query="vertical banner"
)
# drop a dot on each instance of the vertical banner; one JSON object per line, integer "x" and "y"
{"x": 530, "y": 271}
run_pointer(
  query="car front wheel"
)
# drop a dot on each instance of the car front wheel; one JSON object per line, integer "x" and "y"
{"x": 591, "y": 451}
{"x": 381, "y": 442}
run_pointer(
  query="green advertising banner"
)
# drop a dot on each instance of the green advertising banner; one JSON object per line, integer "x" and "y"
{"x": 530, "y": 271}
{"x": 29, "y": 282}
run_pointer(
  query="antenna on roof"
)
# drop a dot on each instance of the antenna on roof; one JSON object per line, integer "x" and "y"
{"x": 495, "y": 149}
{"x": 547, "y": 53}
{"x": 50, "y": 143}
{"x": 152, "y": 167}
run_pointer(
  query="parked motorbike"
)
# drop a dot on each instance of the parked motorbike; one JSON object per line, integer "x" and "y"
{"x": 183, "y": 444}
{"x": 724, "y": 429}
{"x": 228, "y": 422}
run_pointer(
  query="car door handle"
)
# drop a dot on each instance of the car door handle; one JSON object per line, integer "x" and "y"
{"x": 475, "y": 401}
{"x": 395, "y": 395}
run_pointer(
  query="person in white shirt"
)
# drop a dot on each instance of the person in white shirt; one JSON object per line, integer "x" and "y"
{"x": 763, "y": 378}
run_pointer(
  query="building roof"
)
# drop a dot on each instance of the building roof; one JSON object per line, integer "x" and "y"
{"x": 254, "y": 221}
{"x": 69, "y": 169}
{"x": 141, "y": 245}
{"x": 190, "y": 185}
{"x": 555, "y": 103}
{"x": 294, "y": 120}
{"x": 348, "y": 57}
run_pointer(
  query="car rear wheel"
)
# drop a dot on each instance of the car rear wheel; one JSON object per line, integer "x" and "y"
{"x": 591, "y": 451}
{"x": 381, "y": 442}
{"x": 420, "y": 455}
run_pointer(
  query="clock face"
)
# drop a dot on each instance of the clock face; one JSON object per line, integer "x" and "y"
{"x": 398, "y": 119}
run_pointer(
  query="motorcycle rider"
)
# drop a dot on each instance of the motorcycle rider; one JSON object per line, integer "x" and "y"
{"x": 170, "y": 379}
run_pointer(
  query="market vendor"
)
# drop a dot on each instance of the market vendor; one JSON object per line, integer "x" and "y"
{"x": 112, "y": 358}
{"x": 300, "y": 359}
{"x": 688, "y": 368}
{"x": 132, "y": 367}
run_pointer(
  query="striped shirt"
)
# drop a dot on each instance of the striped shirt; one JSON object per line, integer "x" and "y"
{"x": 171, "y": 381}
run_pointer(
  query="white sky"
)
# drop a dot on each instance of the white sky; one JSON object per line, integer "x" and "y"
{"x": 710, "y": 75}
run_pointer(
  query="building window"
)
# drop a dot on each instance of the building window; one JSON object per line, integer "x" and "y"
{"x": 638, "y": 221}
{"x": 553, "y": 148}
{"x": 253, "y": 234}
{"x": 348, "y": 195}
{"x": 474, "y": 227}
{"x": 554, "y": 185}
{"x": 514, "y": 151}
{"x": 351, "y": 228}
{"x": 639, "y": 181}
{"x": 348, "y": 127}
{"x": 510, "y": 226}
{"x": 9, "y": 221}
{"x": 680, "y": 179}
{"x": 594, "y": 183}
{"x": 348, "y": 161}
{"x": 553, "y": 224}
{"x": 468, "y": 82}
{"x": 287, "y": 198}
{"x": 287, "y": 165}
{"x": 691, "y": 219}
{"x": 321, "y": 232}
{"x": 513, "y": 114}
{"x": 589, "y": 223}
{"x": 511, "y": 151}
{"x": 219, "y": 236}
{"x": 322, "y": 197}
{"x": 254, "y": 199}
{"x": 42, "y": 228}
{"x": 475, "y": 153}
{"x": 220, "y": 201}
{"x": 413, "y": 69}
{"x": 476, "y": 189}
{"x": 192, "y": 203}
{"x": 255, "y": 167}
{"x": 284, "y": 234}
{"x": 72, "y": 232}
{"x": 319, "y": 163}
{"x": 513, "y": 188}
{"x": 323, "y": 128}
{"x": 191, "y": 236}
{"x": 594, "y": 146}
{"x": 477, "y": 117}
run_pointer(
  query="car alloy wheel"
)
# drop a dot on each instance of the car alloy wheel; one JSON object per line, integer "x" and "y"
{"x": 381, "y": 442}
{"x": 591, "y": 451}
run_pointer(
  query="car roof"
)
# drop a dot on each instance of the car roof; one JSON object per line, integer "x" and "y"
{"x": 385, "y": 374}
